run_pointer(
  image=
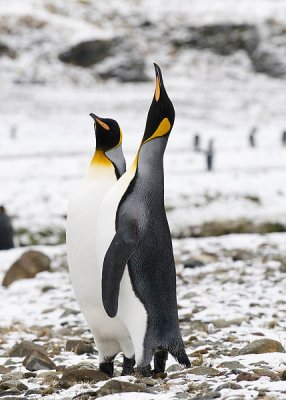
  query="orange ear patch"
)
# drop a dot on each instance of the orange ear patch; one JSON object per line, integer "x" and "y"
{"x": 104, "y": 126}
{"x": 157, "y": 89}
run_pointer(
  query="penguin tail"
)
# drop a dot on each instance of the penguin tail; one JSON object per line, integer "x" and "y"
{"x": 177, "y": 350}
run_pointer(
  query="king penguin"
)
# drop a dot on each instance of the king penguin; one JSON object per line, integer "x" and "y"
{"x": 135, "y": 248}
{"x": 106, "y": 166}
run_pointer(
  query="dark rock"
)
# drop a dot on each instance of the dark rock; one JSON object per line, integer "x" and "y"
{"x": 10, "y": 394}
{"x": 14, "y": 384}
{"x": 28, "y": 375}
{"x": 222, "y": 323}
{"x": 247, "y": 376}
{"x": 266, "y": 372}
{"x": 131, "y": 69}
{"x": 114, "y": 386}
{"x": 82, "y": 372}
{"x": 89, "y": 52}
{"x": 261, "y": 346}
{"x": 30, "y": 392}
{"x": 7, "y": 51}
{"x": 207, "y": 396}
{"x": 174, "y": 368}
{"x": 79, "y": 346}
{"x": 229, "y": 385}
{"x": 27, "y": 266}
{"x": 36, "y": 361}
{"x": 13, "y": 376}
{"x": 24, "y": 348}
{"x": 69, "y": 311}
{"x": 283, "y": 375}
{"x": 231, "y": 365}
{"x": 224, "y": 39}
{"x": 268, "y": 62}
{"x": 193, "y": 263}
{"x": 208, "y": 371}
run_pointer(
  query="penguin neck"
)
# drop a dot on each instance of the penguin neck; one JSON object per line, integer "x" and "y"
{"x": 150, "y": 161}
{"x": 99, "y": 161}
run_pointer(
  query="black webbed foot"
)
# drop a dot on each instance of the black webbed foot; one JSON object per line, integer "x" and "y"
{"x": 144, "y": 371}
{"x": 128, "y": 366}
{"x": 107, "y": 368}
{"x": 160, "y": 358}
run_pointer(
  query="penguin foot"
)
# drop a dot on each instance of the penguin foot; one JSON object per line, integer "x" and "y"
{"x": 160, "y": 358}
{"x": 144, "y": 371}
{"x": 128, "y": 366}
{"x": 107, "y": 368}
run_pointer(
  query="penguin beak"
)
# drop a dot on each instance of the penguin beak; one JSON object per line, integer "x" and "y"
{"x": 99, "y": 122}
{"x": 159, "y": 82}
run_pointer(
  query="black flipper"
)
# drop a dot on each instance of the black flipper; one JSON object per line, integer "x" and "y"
{"x": 120, "y": 250}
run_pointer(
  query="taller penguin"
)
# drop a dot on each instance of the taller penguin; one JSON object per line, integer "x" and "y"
{"x": 135, "y": 247}
{"x": 106, "y": 166}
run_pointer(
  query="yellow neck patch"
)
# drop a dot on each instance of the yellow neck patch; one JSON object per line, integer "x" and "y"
{"x": 162, "y": 129}
{"x": 100, "y": 159}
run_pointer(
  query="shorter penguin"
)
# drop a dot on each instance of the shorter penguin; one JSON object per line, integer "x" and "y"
{"x": 106, "y": 166}
{"x": 6, "y": 230}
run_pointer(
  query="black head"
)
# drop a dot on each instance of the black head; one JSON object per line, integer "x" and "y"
{"x": 161, "y": 113}
{"x": 108, "y": 133}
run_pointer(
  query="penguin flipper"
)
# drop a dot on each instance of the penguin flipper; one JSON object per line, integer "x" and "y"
{"x": 120, "y": 250}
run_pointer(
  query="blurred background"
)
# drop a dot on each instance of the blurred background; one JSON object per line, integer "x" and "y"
{"x": 224, "y": 64}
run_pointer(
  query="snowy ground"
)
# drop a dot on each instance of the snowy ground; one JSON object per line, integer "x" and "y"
{"x": 222, "y": 307}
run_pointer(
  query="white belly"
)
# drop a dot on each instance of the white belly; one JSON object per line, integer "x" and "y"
{"x": 85, "y": 272}
{"x": 131, "y": 311}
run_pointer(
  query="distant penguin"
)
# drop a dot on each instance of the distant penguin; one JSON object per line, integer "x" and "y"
{"x": 6, "y": 230}
{"x": 197, "y": 142}
{"x": 210, "y": 156}
{"x": 252, "y": 137}
{"x": 106, "y": 166}
{"x": 283, "y": 138}
{"x": 135, "y": 251}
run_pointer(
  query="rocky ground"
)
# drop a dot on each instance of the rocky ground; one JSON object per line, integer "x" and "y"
{"x": 232, "y": 307}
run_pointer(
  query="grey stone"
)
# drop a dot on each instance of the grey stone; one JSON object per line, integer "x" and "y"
{"x": 131, "y": 69}
{"x": 13, "y": 384}
{"x": 265, "y": 60}
{"x": 114, "y": 386}
{"x": 229, "y": 385}
{"x": 224, "y": 38}
{"x": 207, "y": 396}
{"x": 261, "y": 346}
{"x": 7, "y": 51}
{"x": 36, "y": 361}
{"x": 89, "y": 52}
{"x": 24, "y": 348}
{"x": 82, "y": 372}
{"x": 79, "y": 346}
{"x": 4, "y": 370}
{"x": 27, "y": 266}
{"x": 231, "y": 365}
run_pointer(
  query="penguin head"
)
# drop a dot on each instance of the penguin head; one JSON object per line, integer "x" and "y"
{"x": 108, "y": 144}
{"x": 161, "y": 113}
{"x": 108, "y": 133}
